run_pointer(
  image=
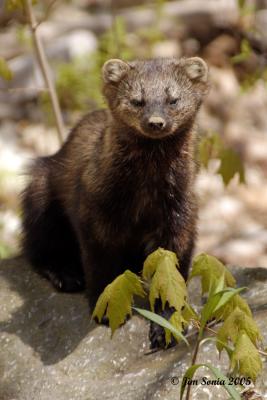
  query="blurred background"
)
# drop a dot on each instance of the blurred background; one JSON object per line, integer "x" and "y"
{"x": 80, "y": 35}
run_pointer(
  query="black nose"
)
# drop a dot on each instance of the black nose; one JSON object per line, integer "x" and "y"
{"x": 156, "y": 123}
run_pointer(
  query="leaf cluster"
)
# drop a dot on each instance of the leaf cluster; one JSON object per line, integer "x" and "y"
{"x": 240, "y": 329}
{"x": 167, "y": 285}
{"x": 116, "y": 300}
{"x": 166, "y": 282}
{"x": 224, "y": 303}
{"x": 244, "y": 54}
{"x": 12, "y": 5}
{"x": 5, "y": 71}
{"x": 238, "y": 334}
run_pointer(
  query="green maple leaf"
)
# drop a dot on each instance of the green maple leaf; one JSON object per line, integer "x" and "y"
{"x": 152, "y": 261}
{"x": 116, "y": 300}
{"x": 210, "y": 269}
{"x": 167, "y": 283}
{"x": 238, "y": 322}
{"x": 188, "y": 314}
{"x": 209, "y": 147}
{"x": 5, "y": 71}
{"x": 236, "y": 302}
{"x": 246, "y": 357}
{"x": 177, "y": 321}
{"x": 231, "y": 164}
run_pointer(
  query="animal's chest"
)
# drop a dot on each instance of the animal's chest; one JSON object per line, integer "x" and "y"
{"x": 142, "y": 198}
{"x": 153, "y": 201}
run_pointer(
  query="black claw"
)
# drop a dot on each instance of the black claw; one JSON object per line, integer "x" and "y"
{"x": 157, "y": 338}
{"x": 104, "y": 321}
{"x": 157, "y": 333}
{"x": 63, "y": 282}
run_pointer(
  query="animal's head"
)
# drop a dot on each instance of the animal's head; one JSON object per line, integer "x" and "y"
{"x": 157, "y": 97}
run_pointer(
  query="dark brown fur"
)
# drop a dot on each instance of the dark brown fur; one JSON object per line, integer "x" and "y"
{"x": 119, "y": 187}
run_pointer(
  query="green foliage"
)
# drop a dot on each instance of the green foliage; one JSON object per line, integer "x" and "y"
{"x": 241, "y": 4}
{"x": 23, "y": 35}
{"x": 74, "y": 86}
{"x": 5, "y": 71}
{"x": 245, "y": 7}
{"x": 152, "y": 261}
{"x": 116, "y": 300}
{"x": 169, "y": 327}
{"x": 231, "y": 164}
{"x": 226, "y": 296}
{"x": 78, "y": 86}
{"x": 189, "y": 314}
{"x": 215, "y": 302}
{"x": 149, "y": 36}
{"x": 246, "y": 357}
{"x": 12, "y": 5}
{"x": 250, "y": 79}
{"x": 238, "y": 335}
{"x": 211, "y": 146}
{"x": 177, "y": 321}
{"x": 79, "y": 83}
{"x": 215, "y": 340}
{"x": 210, "y": 269}
{"x": 238, "y": 322}
{"x": 166, "y": 281}
{"x": 244, "y": 54}
{"x": 113, "y": 43}
{"x": 236, "y": 301}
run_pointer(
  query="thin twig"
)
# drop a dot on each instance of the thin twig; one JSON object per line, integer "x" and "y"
{"x": 194, "y": 359}
{"x": 42, "y": 60}
{"x": 47, "y": 11}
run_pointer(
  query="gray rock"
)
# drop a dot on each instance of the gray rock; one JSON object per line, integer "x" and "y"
{"x": 51, "y": 350}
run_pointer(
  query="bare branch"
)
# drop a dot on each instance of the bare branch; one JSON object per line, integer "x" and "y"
{"x": 47, "y": 11}
{"x": 42, "y": 60}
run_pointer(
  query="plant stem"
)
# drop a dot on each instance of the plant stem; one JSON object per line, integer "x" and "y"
{"x": 49, "y": 7}
{"x": 44, "y": 66}
{"x": 194, "y": 359}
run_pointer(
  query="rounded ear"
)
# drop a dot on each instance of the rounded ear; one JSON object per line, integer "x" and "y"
{"x": 196, "y": 69}
{"x": 114, "y": 70}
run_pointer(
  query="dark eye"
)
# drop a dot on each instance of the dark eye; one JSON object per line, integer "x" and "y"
{"x": 137, "y": 103}
{"x": 173, "y": 102}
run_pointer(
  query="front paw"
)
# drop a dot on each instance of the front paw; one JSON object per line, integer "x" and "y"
{"x": 65, "y": 281}
{"x": 157, "y": 337}
{"x": 104, "y": 321}
{"x": 157, "y": 333}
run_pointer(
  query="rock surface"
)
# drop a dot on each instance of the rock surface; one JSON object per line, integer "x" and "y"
{"x": 51, "y": 350}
